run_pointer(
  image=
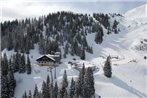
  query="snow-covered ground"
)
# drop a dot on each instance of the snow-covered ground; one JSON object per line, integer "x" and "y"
{"x": 129, "y": 70}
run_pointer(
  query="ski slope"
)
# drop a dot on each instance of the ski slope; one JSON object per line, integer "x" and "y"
{"x": 129, "y": 71}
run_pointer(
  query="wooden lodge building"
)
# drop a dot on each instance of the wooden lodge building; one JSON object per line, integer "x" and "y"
{"x": 49, "y": 60}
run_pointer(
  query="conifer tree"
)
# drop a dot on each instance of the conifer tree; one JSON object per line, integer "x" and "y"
{"x": 48, "y": 81}
{"x": 55, "y": 91}
{"x": 108, "y": 31}
{"x": 10, "y": 42}
{"x": 13, "y": 63}
{"x": 81, "y": 80}
{"x": 4, "y": 87}
{"x": 11, "y": 66}
{"x": 115, "y": 26}
{"x": 11, "y": 83}
{"x": 99, "y": 35}
{"x": 107, "y": 68}
{"x": 64, "y": 85}
{"x": 36, "y": 93}
{"x": 76, "y": 92}
{"x": 30, "y": 94}
{"x": 4, "y": 65}
{"x": 72, "y": 89}
{"x": 65, "y": 94}
{"x": 85, "y": 44}
{"x": 65, "y": 81}
{"x": 22, "y": 64}
{"x": 28, "y": 66}
{"x": 88, "y": 88}
{"x": 17, "y": 61}
{"x": 5, "y": 91}
{"x": 24, "y": 95}
{"x": 44, "y": 90}
{"x": 82, "y": 56}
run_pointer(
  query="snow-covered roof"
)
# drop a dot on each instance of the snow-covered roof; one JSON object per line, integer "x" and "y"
{"x": 57, "y": 53}
{"x": 47, "y": 57}
{"x": 51, "y": 55}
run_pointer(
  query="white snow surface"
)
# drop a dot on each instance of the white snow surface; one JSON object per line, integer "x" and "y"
{"x": 138, "y": 14}
{"x": 129, "y": 71}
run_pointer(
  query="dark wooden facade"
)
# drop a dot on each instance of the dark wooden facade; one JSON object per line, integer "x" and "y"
{"x": 46, "y": 61}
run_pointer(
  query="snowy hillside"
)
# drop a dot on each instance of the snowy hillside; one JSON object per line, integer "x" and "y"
{"x": 129, "y": 68}
{"x": 138, "y": 14}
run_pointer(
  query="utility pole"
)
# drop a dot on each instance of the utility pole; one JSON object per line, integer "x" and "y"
{"x": 51, "y": 74}
{"x": 55, "y": 73}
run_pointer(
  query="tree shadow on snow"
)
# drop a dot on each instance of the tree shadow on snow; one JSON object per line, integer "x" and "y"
{"x": 118, "y": 82}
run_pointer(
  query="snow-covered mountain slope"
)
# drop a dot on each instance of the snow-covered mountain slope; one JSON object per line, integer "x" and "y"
{"x": 137, "y": 14}
{"x": 129, "y": 70}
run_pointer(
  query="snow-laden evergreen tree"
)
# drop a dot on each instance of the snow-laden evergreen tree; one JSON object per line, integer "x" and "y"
{"x": 66, "y": 48}
{"x": 65, "y": 81}
{"x": 82, "y": 56}
{"x": 64, "y": 85}
{"x": 10, "y": 67}
{"x": 10, "y": 42}
{"x": 109, "y": 31}
{"x": 28, "y": 66}
{"x": 88, "y": 87}
{"x": 99, "y": 35}
{"x": 11, "y": 83}
{"x": 17, "y": 61}
{"x": 8, "y": 82}
{"x": 115, "y": 29}
{"x": 65, "y": 94}
{"x": 4, "y": 87}
{"x": 22, "y": 64}
{"x": 44, "y": 90}
{"x": 5, "y": 91}
{"x": 55, "y": 91}
{"x": 85, "y": 44}
{"x": 107, "y": 68}
{"x": 77, "y": 89}
{"x": 72, "y": 88}
{"x": 103, "y": 19}
{"x": 48, "y": 81}
{"x": 36, "y": 92}
{"x": 24, "y": 95}
{"x": 30, "y": 94}
{"x": 12, "y": 64}
{"x": 81, "y": 81}
{"x": 4, "y": 65}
